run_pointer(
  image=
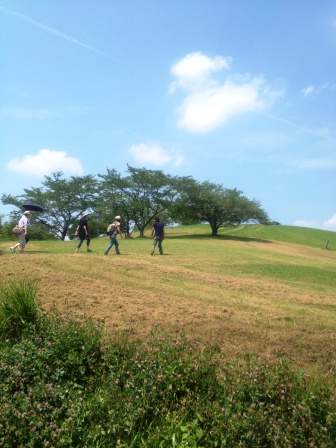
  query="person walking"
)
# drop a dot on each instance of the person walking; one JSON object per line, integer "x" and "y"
{"x": 115, "y": 229}
{"x": 24, "y": 223}
{"x": 83, "y": 232}
{"x": 158, "y": 235}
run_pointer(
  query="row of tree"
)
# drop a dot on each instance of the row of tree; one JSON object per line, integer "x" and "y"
{"x": 138, "y": 197}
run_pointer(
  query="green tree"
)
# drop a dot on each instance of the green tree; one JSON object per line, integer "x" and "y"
{"x": 139, "y": 196}
{"x": 63, "y": 201}
{"x": 219, "y": 206}
{"x": 112, "y": 201}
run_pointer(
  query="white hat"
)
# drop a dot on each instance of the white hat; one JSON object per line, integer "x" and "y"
{"x": 117, "y": 218}
{"x": 85, "y": 213}
{"x": 27, "y": 212}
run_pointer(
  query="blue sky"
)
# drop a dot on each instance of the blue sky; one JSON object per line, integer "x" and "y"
{"x": 240, "y": 93}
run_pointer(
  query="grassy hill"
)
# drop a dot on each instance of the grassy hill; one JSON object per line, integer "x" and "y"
{"x": 249, "y": 289}
{"x": 226, "y": 341}
{"x": 288, "y": 234}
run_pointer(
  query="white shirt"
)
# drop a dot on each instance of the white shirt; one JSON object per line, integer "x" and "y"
{"x": 24, "y": 221}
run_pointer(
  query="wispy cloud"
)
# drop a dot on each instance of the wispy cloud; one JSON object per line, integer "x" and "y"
{"x": 308, "y": 90}
{"x": 306, "y": 223}
{"x": 19, "y": 113}
{"x": 155, "y": 155}
{"x": 210, "y": 103}
{"x": 45, "y": 162}
{"x": 316, "y": 90}
{"x": 50, "y": 30}
{"x": 323, "y": 163}
{"x": 318, "y": 132}
{"x": 330, "y": 224}
{"x": 26, "y": 114}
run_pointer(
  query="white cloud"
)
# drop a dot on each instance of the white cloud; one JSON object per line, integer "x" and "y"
{"x": 206, "y": 110}
{"x": 155, "y": 155}
{"x": 331, "y": 223}
{"x": 46, "y": 162}
{"x": 209, "y": 104}
{"x": 195, "y": 68}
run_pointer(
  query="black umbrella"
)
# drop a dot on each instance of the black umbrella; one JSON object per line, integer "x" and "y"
{"x": 32, "y": 207}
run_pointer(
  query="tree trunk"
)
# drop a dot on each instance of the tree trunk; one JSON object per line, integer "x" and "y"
{"x": 214, "y": 230}
{"x": 64, "y": 232}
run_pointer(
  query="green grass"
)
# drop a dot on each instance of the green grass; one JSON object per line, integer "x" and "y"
{"x": 257, "y": 232}
{"x": 67, "y": 383}
{"x": 248, "y": 292}
{"x": 290, "y": 234}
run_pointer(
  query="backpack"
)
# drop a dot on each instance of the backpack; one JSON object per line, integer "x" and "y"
{"x": 110, "y": 229}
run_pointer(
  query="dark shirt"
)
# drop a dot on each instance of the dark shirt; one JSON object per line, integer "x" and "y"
{"x": 81, "y": 231}
{"x": 158, "y": 227}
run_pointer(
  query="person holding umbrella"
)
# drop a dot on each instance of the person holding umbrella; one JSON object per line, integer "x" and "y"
{"x": 83, "y": 232}
{"x": 24, "y": 223}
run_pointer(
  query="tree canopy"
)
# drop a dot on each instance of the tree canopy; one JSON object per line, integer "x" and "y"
{"x": 219, "y": 206}
{"x": 63, "y": 200}
{"x": 137, "y": 197}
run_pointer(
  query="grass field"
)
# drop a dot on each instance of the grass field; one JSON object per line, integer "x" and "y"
{"x": 250, "y": 289}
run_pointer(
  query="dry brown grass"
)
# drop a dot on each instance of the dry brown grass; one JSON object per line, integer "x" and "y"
{"x": 201, "y": 285}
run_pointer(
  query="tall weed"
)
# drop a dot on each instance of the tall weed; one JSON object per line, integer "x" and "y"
{"x": 18, "y": 306}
